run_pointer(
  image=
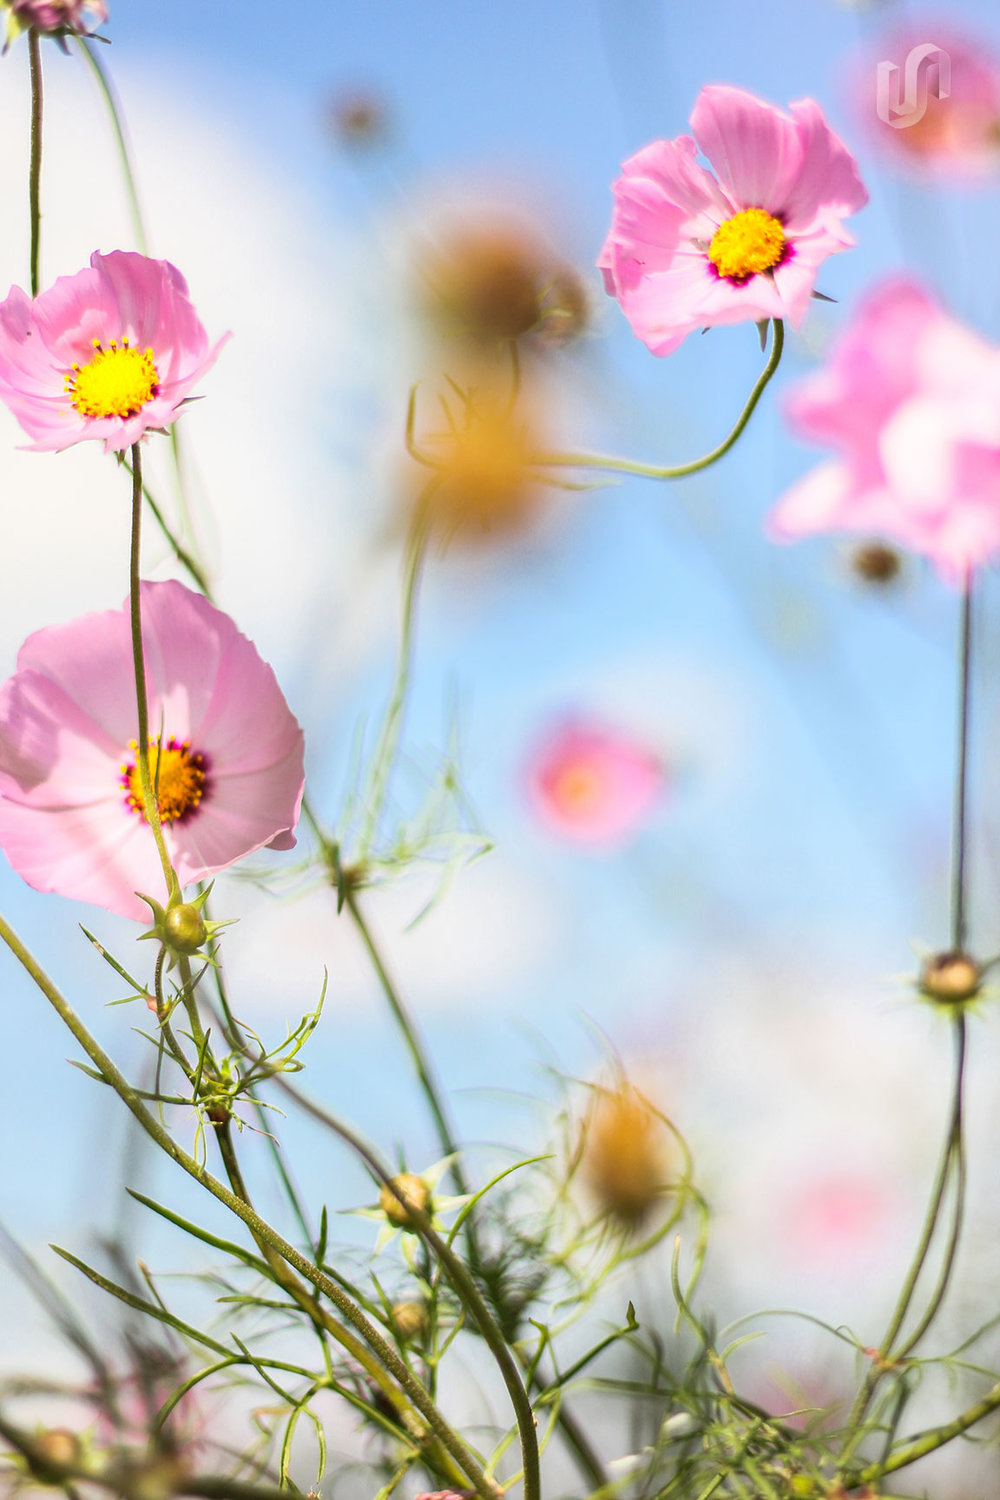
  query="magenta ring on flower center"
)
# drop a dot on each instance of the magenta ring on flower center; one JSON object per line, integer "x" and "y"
{"x": 179, "y": 776}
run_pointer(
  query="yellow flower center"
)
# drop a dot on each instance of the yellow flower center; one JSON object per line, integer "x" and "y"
{"x": 746, "y": 245}
{"x": 580, "y": 788}
{"x": 178, "y": 778}
{"x": 115, "y": 382}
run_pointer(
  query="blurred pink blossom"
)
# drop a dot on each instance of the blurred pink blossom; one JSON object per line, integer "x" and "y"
{"x": 910, "y": 402}
{"x": 592, "y": 784}
{"x": 79, "y": 16}
{"x": 108, "y": 353}
{"x": 228, "y": 763}
{"x": 688, "y": 250}
{"x": 957, "y": 136}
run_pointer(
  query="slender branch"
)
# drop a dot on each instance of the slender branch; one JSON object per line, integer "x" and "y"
{"x": 35, "y": 169}
{"x": 653, "y": 471}
{"x": 929, "y": 1442}
{"x": 261, "y": 1230}
{"x": 149, "y": 802}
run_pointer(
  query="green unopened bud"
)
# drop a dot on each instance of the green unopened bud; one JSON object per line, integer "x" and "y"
{"x": 184, "y": 927}
{"x": 415, "y": 1196}
{"x": 56, "y": 1450}
{"x": 181, "y": 926}
{"x": 409, "y": 1320}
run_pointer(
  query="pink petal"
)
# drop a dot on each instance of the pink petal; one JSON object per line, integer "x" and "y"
{"x": 755, "y": 148}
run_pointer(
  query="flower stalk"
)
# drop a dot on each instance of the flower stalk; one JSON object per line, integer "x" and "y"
{"x": 612, "y": 465}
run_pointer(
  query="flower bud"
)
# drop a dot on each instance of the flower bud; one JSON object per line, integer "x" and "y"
{"x": 58, "y": 1447}
{"x": 409, "y": 1319}
{"x": 874, "y": 562}
{"x": 185, "y": 928}
{"x": 951, "y": 978}
{"x": 415, "y": 1195}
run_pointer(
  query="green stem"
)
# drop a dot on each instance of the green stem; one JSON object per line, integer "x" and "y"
{"x": 35, "y": 170}
{"x": 261, "y": 1231}
{"x": 878, "y": 1369}
{"x": 181, "y": 553}
{"x": 958, "y": 1159}
{"x": 114, "y": 109}
{"x": 419, "y": 1056}
{"x": 960, "y": 817}
{"x": 149, "y": 802}
{"x": 385, "y": 753}
{"x": 653, "y": 471}
{"x": 929, "y": 1442}
{"x": 460, "y": 1279}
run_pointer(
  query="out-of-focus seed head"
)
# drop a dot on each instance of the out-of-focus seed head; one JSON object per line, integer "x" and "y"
{"x": 625, "y": 1154}
{"x": 358, "y": 119}
{"x": 485, "y": 281}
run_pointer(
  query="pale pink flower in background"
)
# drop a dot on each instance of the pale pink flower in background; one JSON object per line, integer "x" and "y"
{"x": 593, "y": 784}
{"x": 688, "y": 250}
{"x": 109, "y": 353}
{"x": 957, "y": 137}
{"x": 79, "y": 16}
{"x": 229, "y": 767}
{"x": 910, "y": 401}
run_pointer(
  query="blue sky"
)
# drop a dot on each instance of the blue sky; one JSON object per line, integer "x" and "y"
{"x": 804, "y": 841}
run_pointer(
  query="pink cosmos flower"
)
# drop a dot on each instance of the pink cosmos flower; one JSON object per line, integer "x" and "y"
{"x": 688, "y": 250}
{"x": 592, "y": 784}
{"x": 59, "y": 15}
{"x": 109, "y": 353}
{"x": 957, "y": 135}
{"x": 226, "y": 753}
{"x": 910, "y": 401}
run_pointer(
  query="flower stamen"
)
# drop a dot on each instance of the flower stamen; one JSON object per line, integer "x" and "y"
{"x": 178, "y": 778}
{"x": 748, "y": 244}
{"x": 115, "y": 382}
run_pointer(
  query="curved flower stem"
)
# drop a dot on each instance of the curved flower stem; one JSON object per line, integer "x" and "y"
{"x": 117, "y": 125}
{"x": 379, "y": 1359}
{"x": 457, "y": 1274}
{"x": 653, "y": 471}
{"x": 35, "y": 169}
{"x": 149, "y": 802}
